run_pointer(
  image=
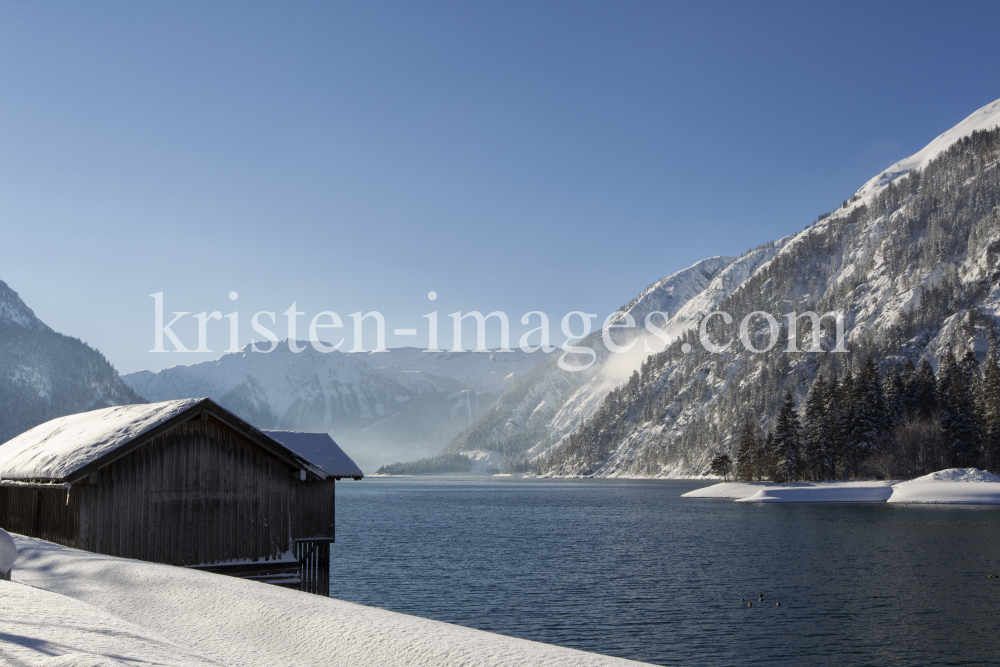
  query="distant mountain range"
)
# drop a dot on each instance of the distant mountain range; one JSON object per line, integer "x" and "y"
{"x": 44, "y": 374}
{"x": 379, "y": 407}
{"x": 912, "y": 260}
{"x": 401, "y": 404}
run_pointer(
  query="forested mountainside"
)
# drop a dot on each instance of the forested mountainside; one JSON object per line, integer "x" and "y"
{"x": 44, "y": 374}
{"x": 910, "y": 261}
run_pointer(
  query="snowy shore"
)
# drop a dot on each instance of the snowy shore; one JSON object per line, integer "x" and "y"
{"x": 965, "y": 486}
{"x": 68, "y": 607}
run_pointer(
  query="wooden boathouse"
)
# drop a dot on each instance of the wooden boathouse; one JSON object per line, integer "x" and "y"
{"x": 181, "y": 482}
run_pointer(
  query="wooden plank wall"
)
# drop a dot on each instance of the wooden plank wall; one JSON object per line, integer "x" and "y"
{"x": 313, "y": 513}
{"x": 197, "y": 494}
{"x": 43, "y": 513}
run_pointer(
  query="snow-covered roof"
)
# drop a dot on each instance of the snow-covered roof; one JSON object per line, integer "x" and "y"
{"x": 321, "y": 450}
{"x": 58, "y": 449}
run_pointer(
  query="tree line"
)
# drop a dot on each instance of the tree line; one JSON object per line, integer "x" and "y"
{"x": 901, "y": 421}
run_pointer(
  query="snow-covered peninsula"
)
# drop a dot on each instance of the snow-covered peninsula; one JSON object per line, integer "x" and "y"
{"x": 964, "y": 486}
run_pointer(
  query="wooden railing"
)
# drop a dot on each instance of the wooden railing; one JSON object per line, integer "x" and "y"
{"x": 314, "y": 559}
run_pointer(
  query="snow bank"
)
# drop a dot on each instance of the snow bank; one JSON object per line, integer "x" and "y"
{"x": 823, "y": 492}
{"x": 729, "y": 490}
{"x": 955, "y": 485}
{"x": 955, "y": 475}
{"x": 43, "y": 628}
{"x": 8, "y": 551}
{"x": 967, "y": 486}
{"x": 185, "y": 616}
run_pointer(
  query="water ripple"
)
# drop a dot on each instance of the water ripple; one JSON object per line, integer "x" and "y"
{"x": 628, "y": 568}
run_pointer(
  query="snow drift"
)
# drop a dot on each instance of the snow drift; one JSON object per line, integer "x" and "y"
{"x": 147, "y": 613}
{"x": 964, "y": 486}
{"x": 968, "y": 486}
{"x": 8, "y": 552}
{"x": 822, "y": 492}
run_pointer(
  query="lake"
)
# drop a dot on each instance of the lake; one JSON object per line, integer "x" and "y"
{"x": 630, "y": 569}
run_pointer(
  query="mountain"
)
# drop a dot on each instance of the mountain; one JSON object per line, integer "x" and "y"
{"x": 403, "y": 403}
{"x": 910, "y": 260}
{"x": 549, "y": 402}
{"x": 44, "y": 374}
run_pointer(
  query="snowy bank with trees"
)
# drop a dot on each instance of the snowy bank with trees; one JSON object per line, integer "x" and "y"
{"x": 967, "y": 486}
{"x": 70, "y": 607}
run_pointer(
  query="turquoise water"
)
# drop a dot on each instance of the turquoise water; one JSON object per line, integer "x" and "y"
{"x": 628, "y": 568}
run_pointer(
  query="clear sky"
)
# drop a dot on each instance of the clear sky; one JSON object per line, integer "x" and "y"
{"x": 509, "y": 156}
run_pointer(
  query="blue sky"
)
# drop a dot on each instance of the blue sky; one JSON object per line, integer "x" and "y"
{"x": 510, "y": 156}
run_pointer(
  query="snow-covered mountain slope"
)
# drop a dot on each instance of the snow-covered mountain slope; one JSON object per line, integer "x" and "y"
{"x": 14, "y": 312}
{"x": 404, "y": 403}
{"x": 669, "y": 295}
{"x": 548, "y": 403}
{"x": 619, "y": 367}
{"x": 490, "y": 372}
{"x": 44, "y": 375}
{"x": 911, "y": 260}
{"x": 985, "y": 118}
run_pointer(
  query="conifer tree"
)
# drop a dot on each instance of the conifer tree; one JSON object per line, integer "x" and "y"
{"x": 848, "y": 406}
{"x": 991, "y": 413}
{"x": 958, "y": 417}
{"x": 907, "y": 399}
{"x": 837, "y": 425}
{"x": 747, "y": 458}
{"x": 869, "y": 423}
{"x": 786, "y": 443}
{"x": 948, "y": 372}
{"x": 816, "y": 434}
{"x": 924, "y": 390}
{"x": 894, "y": 391}
{"x": 969, "y": 366}
{"x": 721, "y": 465}
{"x": 767, "y": 460}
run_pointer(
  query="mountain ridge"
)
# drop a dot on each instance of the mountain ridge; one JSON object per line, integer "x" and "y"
{"x": 911, "y": 261}
{"x": 735, "y": 280}
{"x": 45, "y": 374}
{"x": 378, "y": 406}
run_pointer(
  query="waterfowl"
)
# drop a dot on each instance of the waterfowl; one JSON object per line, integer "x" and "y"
{"x": 777, "y": 604}
{"x": 749, "y": 604}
